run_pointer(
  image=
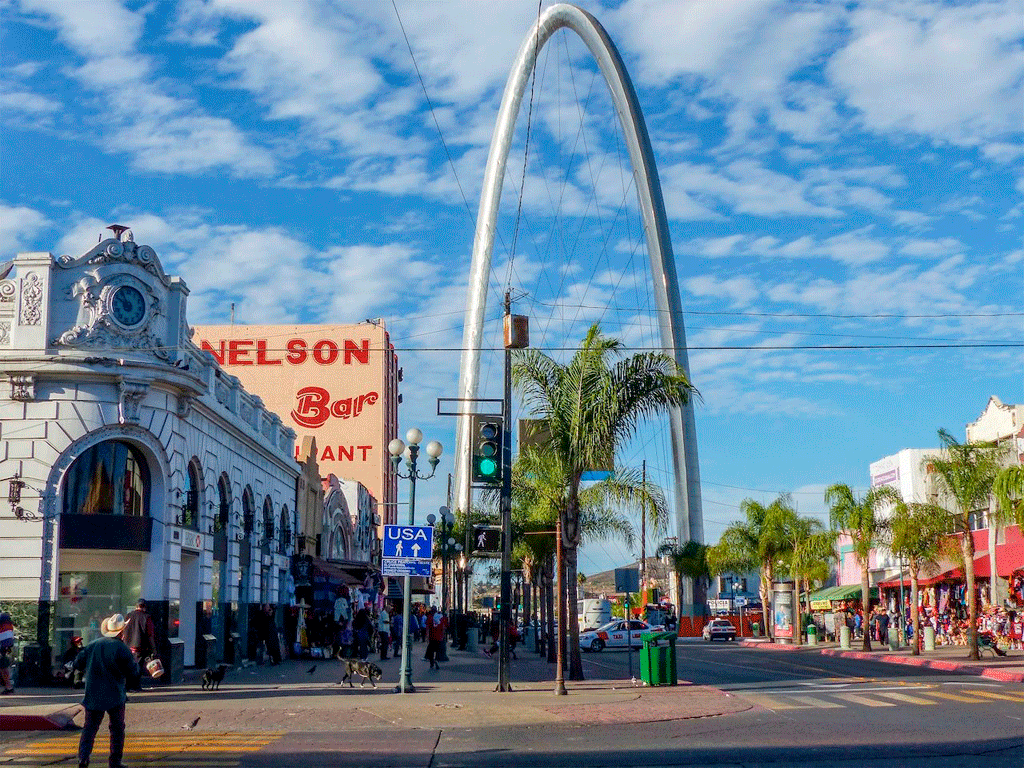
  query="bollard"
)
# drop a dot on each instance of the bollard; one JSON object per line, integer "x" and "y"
{"x": 844, "y": 638}
{"x": 471, "y": 641}
{"x": 929, "y": 638}
{"x": 894, "y": 639}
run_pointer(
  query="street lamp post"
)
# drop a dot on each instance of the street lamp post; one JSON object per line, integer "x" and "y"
{"x": 411, "y": 452}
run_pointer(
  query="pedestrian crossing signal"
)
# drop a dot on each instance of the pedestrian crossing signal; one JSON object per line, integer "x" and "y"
{"x": 487, "y": 454}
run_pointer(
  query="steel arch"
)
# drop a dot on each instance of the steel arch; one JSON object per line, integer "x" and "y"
{"x": 689, "y": 520}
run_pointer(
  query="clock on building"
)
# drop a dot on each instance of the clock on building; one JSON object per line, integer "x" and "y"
{"x": 128, "y": 306}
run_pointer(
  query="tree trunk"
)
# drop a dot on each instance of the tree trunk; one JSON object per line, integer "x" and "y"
{"x": 967, "y": 545}
{"x": 549, "y": 599}
{"x": 915, "y": 614}
{"x": 764, "y": 589}
{"x": 865, "y": 599}
{"x": 572, "y": 623}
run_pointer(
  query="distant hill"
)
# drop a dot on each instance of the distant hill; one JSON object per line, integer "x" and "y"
{"x": 603, "y": 583}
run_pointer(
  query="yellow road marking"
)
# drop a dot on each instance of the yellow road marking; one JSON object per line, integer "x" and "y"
{"x": 1005, "y": 696}
{"x": 905, "y": 697}
{"x": 954, "y": 697}
{"x": 864, "y": 700}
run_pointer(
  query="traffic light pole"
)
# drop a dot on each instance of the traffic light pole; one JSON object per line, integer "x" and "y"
{"x": 505, "y": 615}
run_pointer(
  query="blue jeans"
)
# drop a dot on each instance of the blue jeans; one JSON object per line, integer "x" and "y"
{"x": 115, "y": 721}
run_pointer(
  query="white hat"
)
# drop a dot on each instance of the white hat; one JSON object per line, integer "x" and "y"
{"x": 113, "y": 626}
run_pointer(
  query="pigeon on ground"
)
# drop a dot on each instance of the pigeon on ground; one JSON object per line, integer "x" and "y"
{"x": 311, "y": 670}
{"x": 191, "y": 725}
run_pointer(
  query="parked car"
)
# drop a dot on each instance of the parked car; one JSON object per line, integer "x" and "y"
{"x": 719, "y": 629}
{"x": 614, "y": 634}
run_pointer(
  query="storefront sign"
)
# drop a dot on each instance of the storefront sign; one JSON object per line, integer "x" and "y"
{"x": 192, "y": 540}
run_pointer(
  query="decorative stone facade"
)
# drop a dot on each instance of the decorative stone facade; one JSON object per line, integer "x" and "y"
{"x": 99, "y": 355}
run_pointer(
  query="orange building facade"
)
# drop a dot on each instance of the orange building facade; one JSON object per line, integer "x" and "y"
{"x": 337, "y": 383}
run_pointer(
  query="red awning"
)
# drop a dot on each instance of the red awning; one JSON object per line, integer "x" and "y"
{"x": 981, "y": 571}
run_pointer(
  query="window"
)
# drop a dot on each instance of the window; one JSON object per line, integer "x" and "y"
{"x": 111, "y": 478}
{"x": 220, "y": 524}
{"x": 286, "y": 533}
{"x": 268, "y": 520}
{"x": 248, "y": 512}
{"x": 190, "y": 509}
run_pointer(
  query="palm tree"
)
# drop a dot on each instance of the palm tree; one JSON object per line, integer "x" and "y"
{"x": 917, "y": 533}
{"x": 759, "y": 543}
{"x": 1008, "y": 488}
{"x": 812, "y": 549}
{"x": 966, "y": 472}
{"x": 859, "y": 519}
{"x": 689, "y": 560}
{"x": 591, "y": 406}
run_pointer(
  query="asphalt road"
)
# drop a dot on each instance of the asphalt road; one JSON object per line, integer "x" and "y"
{"x": 799, "y": 709}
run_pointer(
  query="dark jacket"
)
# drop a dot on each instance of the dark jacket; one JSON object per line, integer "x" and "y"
{"x": 139, "y": 632}
{"x": 106, "y": 663}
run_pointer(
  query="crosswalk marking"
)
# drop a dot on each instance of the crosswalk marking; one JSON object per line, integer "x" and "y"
{"x": 906, "y": 698}
{"x": 769, "y": 702}
{"x": 856, "y": 698}
{"x": 955, "y": 697}
{"x": 814, "y": 701}
{"x": 1005, "y": 696}
{"x": 216, "y": 750}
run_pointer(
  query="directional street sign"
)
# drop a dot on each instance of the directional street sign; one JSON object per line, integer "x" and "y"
{"x": 408, "y": 550}
{"x": 404, "y": 566}
{"x": 409, "y": 541}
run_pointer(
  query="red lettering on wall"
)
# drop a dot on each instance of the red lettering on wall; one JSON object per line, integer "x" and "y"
{"x": 360, "y": 354}
{"x": 325, "y": 352}
{"x": 345, "y": 452}
{"x": 313, "y": 407}
{"x": 327, "y": 454}
{"x": 364, "y": 449}
{"x": 209, "y": 348}
{"x": 296, "y": 351}
{"x": 238, "y": 352}
{"x": 261, "y": 354}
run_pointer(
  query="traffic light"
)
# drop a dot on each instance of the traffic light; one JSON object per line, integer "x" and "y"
{"x": 487, "y": 444}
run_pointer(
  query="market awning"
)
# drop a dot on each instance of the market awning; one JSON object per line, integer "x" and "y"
{"x": 842, "y": 592}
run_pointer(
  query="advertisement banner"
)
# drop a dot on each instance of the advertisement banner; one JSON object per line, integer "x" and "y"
{"x": 783, "y": 610}
{"x": 337, "y": 383}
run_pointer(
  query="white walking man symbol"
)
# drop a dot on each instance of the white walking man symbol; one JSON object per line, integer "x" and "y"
{"x": 481, "y": 539}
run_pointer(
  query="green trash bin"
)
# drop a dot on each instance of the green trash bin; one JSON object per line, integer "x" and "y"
{"x": 755, "y": 628}
{"x": 658, "y": 658}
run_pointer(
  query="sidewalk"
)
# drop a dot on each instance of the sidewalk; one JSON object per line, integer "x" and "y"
{"x": 460, "y": 694}
{"x": 949, "y": 658}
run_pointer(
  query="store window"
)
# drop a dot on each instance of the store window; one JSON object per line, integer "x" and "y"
{"x": 268, "y": 523}
{"x": 190, "y": 509}
{"x": 88, "y": 597}
{"x": 220, "y": 523}
{"x": 285, "y": 533}
{"x": 111, "y": 478}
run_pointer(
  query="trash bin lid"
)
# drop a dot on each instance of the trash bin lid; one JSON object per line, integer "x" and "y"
{"x": 654, "y": 637}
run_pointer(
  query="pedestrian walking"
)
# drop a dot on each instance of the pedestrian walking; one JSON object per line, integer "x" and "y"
{"x": 384, "y": 632}
{"x": 361, "y": 626}
{"x": 6, "y": 651}
{"x": 107, "y": 664}
{"x": 396, "y": 632}
{"x": 140, "y": 637}
{"x": 437, "y": 626}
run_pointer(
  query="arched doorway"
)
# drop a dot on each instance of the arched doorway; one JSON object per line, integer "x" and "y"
{"x": 104, "y": 536}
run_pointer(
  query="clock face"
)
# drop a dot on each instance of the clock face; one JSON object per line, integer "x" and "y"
{"x": 128, "y": 306}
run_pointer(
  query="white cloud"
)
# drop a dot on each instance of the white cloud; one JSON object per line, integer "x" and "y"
{"x": 19, "y": 226}
{"x": 953, "y": 73}
{"x": 162, "y": 132}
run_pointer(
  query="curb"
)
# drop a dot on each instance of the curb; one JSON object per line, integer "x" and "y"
{"x": 993, "y": 673}
{"x": 768, "y": 645}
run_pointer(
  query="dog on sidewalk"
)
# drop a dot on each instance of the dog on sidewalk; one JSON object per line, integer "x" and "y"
{"x": 212, "y": 677}
{"x": 365, "y": 669}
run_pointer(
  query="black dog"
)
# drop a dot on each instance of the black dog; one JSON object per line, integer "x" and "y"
{"x": 364, "y": 669}
{"x": 212, "y": 677}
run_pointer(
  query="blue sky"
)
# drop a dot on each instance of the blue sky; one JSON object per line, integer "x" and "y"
{"x": 835, "y": 174}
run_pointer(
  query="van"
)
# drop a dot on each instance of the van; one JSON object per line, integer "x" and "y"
{"x": 593, "y": 613}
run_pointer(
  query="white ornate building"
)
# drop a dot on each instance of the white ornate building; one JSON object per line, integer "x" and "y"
{"x": 134, "y": 466}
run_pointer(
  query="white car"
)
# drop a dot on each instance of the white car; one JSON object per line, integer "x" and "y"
{"x": 719, "y": 628}
{"x": 614, "y": 635}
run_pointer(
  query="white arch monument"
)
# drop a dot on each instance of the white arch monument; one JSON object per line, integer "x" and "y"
{"x": 689, "y": 519}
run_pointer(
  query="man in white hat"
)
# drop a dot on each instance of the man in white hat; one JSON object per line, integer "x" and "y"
{"x": 107, "y": 663}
